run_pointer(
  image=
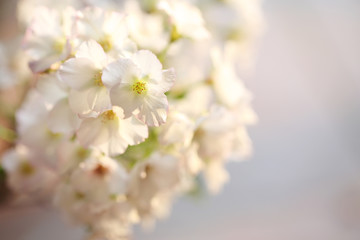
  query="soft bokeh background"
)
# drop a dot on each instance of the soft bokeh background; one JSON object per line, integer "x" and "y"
{"x": 303, "y": 181}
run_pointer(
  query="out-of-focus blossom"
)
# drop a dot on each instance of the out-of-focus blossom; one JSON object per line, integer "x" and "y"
{"x": 48, "y": 38}
{"x": 25, "y": 174}
{"x": 108, "y": 28}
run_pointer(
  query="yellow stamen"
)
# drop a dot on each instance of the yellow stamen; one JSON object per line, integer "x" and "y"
{"x": 26, "y": 169}
{"x": 109, "y": 115}
{"x": 53, "y": 135}
{"x": 139, "y": 87}
{"x": 97, "y": 79}
{"x": 59, "y": 45}
{"x": 106, "y": 43}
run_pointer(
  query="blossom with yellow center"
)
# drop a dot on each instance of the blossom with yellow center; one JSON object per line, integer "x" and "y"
{"x": 83, "y": 74}
{"x": 139, "y": 84}
{"x": 111, "y": 133}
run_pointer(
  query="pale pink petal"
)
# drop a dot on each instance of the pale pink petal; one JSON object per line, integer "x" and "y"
{"x": 62, "y": 119}
{"x": 154, "y": 109}
{"x": 43, "y": 64}
{"x": 166, "y": 83}
{"x": 50, "y": 88}
{"x": 92, "y": 50}
{"x": 98, "y": 99}
{"x": 78, "y": 73}
{"x": 120, "y": 71}
{"x": 92, "y": 132}
{"x": 148, "y": 63}
{"x": 168, "y": 79}
{"x": 133, "y": 131}
{"x": 123, "y": 97}
{"x": 79, "y": 103}
{"x": 115, "y": 144}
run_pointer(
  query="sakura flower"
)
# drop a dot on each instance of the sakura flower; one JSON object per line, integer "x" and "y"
{"x": 27, "y": 9}
{"x": 186, "y": 19}
{"x": 138, "y": 85}
{"x": 236, "y": 24}
{"x": 47, "y": 39}
{"x": 94, "y": 186}
{"x": 228, "y": 86}
{"x": 178, "y": 129}
{"x": 148, "y": 30}
{"x": 108, "y": 28}
{"x": 156, "y": 176}
{"x": 111, "y": 133}
{"x": 34, "y": 132}
{"x": 60, "y": 119}
{"x": 13, "y": 65}
{"x": 216, "y": 176}
{"x": 191, "y": 61}
{"x": 217, "y": 129}
{"x": 83, "y": 74}
{"x": 25, "y": 174}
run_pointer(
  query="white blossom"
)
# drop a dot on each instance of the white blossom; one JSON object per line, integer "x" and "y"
{"x": 108, "y": 28}
{"x": 186, "y": 19}
{"x": 106, "y": 128}
{"x": 111, "y": 133}
{"x": 95, "y": 185}
{"x": 83, "y": 74}
{"x": 138, "y": 85}
{"x": 48, "y": 38}
{"x": 25, "y": 174}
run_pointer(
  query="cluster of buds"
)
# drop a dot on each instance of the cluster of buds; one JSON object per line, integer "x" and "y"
{"x": 130, "y": 104}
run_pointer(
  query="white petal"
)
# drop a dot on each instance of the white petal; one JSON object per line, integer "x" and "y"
{"x": 154, "y": 110}
{"x": 148, "y": 63}
{"x": 78, "y": 102}
{"x": 115, "y": 146}
{"x": 120, "y": 71}
{"x": 98, "y": 99}
{"x": 93, "y": 51}
{"x": 92, "y": 132}
{"x": 62, "y": 119}
{"x": 78, "y": 73}
{"x": 133, "y": 131}
{"x": 44, "y": 63}
{"x": 166, "y": 83}
{"x": 123, "y": 97}
{"x": 50, "y": 88}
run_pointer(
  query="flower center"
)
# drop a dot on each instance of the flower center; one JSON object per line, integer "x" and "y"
{"x": 139, "y": 87}
{"x": 97, "y": 79}
{"x": 100, "y": 170}
{"x": 59, "y": 45}
{"x": 109, "y": 115}
{"x": 26, "y": 169}
{"x": 106, "y": 43}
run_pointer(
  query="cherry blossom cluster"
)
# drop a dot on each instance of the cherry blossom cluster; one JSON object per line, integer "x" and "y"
{"x": 131, "y": 104}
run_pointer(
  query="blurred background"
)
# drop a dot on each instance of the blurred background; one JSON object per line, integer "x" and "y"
{"x": 303, "y": 181}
